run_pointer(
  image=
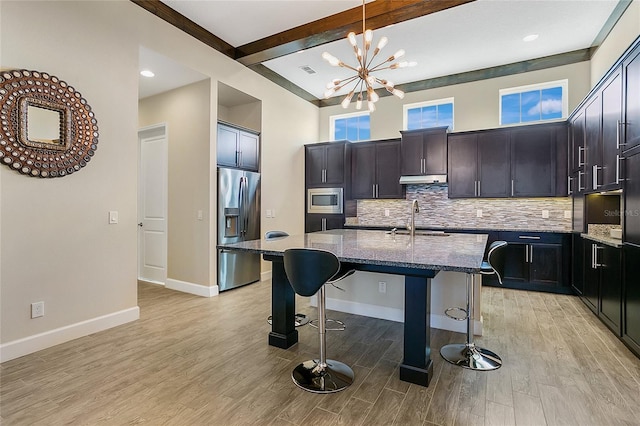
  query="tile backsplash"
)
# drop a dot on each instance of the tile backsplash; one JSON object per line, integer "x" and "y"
{"x": 439, "y": 211}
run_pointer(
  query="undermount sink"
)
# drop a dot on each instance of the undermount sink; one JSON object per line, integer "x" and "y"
{"x": 422, "y": 233}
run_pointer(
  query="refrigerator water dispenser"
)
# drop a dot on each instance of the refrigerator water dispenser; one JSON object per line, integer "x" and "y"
{"x": 231, "y": 222}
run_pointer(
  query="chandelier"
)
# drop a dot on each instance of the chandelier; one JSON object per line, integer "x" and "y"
{"x": 363, "y": 80}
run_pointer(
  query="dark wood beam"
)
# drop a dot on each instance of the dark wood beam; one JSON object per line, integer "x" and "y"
{"x": 179, "y": 21}
{"x": 483, "y": 74}
{"x": 379, "y": 14}
{"x": 284, "y": 83}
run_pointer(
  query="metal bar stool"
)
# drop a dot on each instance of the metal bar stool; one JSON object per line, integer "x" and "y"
{"x": 468, "y": 355}
{"x": 308, "y": 270}
{"x": 338, "y": 325}
{"x": 300, "y": 319}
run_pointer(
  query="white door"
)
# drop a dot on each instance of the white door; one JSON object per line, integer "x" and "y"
{"x": 152, "y": 204}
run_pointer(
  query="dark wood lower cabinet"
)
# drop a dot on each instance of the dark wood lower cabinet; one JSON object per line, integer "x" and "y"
{"x": 536, "y": 261}
{"x": 577, "y": 264}
{"x": 602, "y": 291}
{"x": 323, "y": 222}
{"x": 631, "y": 299}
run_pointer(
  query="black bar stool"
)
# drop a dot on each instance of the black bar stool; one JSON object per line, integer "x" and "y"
{"x": 308, "y": 270}
{"x": 468, "y": 355}
{"x": 300, "y": 319}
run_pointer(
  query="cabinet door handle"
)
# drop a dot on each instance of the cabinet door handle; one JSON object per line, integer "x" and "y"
{"x": 595, "y": 256}
{"x": 512, "y": 187}
{"x": 377, "y": 191}
{"x": 569, "y": 180}
{"x": 618, "y": 159}
{"x": 530, "y": 253}
{"x": 580, "y": 156}
{"x": 528, "y": 237}
{"x": 595, "y": 176}
{"x": 619, "y": 123}
{"x": 324, "y": 223}
{"x": 526, "y": 253}
{"x": 478, "y": 188}
{"x": 580, "y": 187}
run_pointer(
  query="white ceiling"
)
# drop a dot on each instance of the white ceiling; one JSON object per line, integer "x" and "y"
{"x": 477, "y": 35}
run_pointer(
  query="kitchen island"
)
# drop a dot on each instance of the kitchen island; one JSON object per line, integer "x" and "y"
{"x": 417, "y": 258}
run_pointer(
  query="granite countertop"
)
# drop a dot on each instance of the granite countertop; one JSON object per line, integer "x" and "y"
{"x": 440, "y": 252}
{"x": 613, "y": 242}
{"x": 438, "y": 228}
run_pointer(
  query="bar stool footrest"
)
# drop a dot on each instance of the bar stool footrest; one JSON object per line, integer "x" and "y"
{"x": 299, "y": 321}
{"x": 448, "y": 312}
{"x": 340, "y": 326}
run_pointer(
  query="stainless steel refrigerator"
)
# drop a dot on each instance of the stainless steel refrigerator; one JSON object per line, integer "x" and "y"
{"x": 238, "y": 220}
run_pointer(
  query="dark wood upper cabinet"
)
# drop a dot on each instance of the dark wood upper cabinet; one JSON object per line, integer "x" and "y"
{"x": 463, "y": 165}
{"x": 533, "y": 162}
{"x": 611, "y": 97}
{"x": 493, "y": 163}
{"x": 375, "y": 170}
{"x": 424, "y": 152}
{"x": 631, "y": 120}
{"x": 325, "y": 163}
{"x": 237, "y": 147}
{"x": 479, "y": 164}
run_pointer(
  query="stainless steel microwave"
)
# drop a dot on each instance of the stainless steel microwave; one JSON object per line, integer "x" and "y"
{"x": 325, "y": 200}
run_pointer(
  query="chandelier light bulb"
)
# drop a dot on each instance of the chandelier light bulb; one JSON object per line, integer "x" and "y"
{"x": 347, "y": 100}
{"x": 397, "y": 92}
{"x": 359, "y": 101}
{"x": 371, "y": 80}
{"x": 331, "y": 59}
{"x": 352, "y": 39}
{"x": 382, "y": 43}
{"x": 371, "y": 106}
{"x": 398, "y": 54}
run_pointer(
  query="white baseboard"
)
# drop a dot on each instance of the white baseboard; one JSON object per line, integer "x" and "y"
{"x": 394, "y": 314}
{"x": 264, "y": 276}
{"x": 197, "y": 289}
{"x": 37, "y": 342}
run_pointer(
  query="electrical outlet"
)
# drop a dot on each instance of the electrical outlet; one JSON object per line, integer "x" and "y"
{"x": 37, "y": 309}
{"x": 382, "y": 287}
{"x": 269, "y": 213}
{"x": 545, "y": 214}
{"x": 478, "y": 213}
{"x": 273, "y": 213}
{"x": 567, "y": 214}
{"x": 386, "y": 212}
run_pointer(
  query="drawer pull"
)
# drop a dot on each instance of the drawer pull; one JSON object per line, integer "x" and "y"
{"x": 527, "y": 237}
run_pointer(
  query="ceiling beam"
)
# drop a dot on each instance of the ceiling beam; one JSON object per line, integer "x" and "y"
{"x": 379, "y": 14}
{"x": 185, "y": 24}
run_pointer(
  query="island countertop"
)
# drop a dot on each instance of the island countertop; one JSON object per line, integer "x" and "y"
{"x": 437, "y": 251}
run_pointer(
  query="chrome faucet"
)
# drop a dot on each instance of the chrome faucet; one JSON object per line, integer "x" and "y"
{"x": 414, "y": 209}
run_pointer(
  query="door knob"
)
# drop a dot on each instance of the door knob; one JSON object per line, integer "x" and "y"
{"x": 140, "y": 224}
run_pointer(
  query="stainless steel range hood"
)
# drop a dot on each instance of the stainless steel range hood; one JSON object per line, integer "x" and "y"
{"x": 423, "y": 179}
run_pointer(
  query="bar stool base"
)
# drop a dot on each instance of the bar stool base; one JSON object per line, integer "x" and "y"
{"x": 300, "y": 320}
{"x": 334, "y": 377}
{"x": 468, "y": 355}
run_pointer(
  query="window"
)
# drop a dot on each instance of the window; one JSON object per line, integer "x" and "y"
{"x": 354, "y": 127}
{"x": 424, "y": 115}
{"x": 536, "y": 102}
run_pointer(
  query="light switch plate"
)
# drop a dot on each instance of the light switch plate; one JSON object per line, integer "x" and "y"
{"x": 567, "y": 214}
{"x": 478, "y": 213}
{"x": 386, "y": 212}
{"x": 113, "y": 217}
{"x": 545, "y": 214}
{"x": 269, "y": 213}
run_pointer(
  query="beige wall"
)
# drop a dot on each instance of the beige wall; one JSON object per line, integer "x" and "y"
{"x": 627, "y": 29}
{"x": 56, "y": 242}
{"x": 247, "y": 115}
{"x": 186, "y": 112}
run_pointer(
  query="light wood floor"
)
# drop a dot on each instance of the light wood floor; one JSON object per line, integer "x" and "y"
{"x": 196, "y": 361}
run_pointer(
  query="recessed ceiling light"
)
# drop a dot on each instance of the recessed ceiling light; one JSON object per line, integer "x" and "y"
{"x": 530, "y": 37}
{"x": 147, "y": 73}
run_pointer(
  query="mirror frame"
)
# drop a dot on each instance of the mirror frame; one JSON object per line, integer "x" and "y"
{"x": 20, "y": 89}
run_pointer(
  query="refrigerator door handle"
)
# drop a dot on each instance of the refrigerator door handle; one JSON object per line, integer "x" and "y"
{"x": 241, "y": 205}
{"x": 246, "y": 204}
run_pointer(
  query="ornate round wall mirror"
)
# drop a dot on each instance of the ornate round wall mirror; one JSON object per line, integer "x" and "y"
{"x": 48, "y": 128}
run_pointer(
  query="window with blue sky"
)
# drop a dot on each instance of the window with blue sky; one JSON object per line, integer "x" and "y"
{"x": 533, "y": 103}
{"x": 424, "y": 115}
{"x": 353, "y": 127}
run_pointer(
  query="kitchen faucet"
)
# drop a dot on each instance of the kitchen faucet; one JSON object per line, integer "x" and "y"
{"x": 414, "y": 209}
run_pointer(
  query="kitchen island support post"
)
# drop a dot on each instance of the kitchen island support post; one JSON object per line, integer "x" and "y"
{"x": 417, "y": 366}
